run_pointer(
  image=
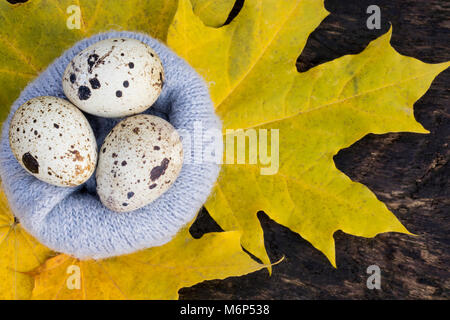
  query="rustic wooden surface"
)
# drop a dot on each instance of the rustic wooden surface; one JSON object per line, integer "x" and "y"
{"x": 408, "y": 172}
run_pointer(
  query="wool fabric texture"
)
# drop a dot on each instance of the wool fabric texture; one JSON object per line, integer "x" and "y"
{"x": 73, "y": 220}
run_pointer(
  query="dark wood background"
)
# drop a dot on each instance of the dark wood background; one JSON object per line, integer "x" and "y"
{"x": 408, "y": 172}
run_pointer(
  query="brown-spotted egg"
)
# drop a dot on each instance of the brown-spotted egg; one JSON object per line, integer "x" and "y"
{"x": 53, "y": 141}
{"x": 114, "y": 78}
{"x": 139, "y": 160}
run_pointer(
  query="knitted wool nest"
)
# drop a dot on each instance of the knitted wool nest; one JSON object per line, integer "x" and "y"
{"x": 73, "y": 220}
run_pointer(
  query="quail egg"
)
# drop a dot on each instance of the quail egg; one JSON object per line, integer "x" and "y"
{"x": 53, "y": 141}
{"x": 139, "y": 160}
{"x": 114, "y": 78}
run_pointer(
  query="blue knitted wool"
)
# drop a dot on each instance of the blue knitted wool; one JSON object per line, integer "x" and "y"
{"x": 73, "y": 220}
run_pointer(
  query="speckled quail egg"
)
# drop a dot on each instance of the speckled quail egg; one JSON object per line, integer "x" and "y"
{"x": 139, "y": 160}
{"x": 114, "y": 78}
{"x": 52, "y": 140}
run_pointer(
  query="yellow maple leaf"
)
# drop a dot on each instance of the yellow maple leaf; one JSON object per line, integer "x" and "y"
{"x": 34, "y": 33}
{"x": 250, "y": 66}
{"x": 156, "y": 273}
{"x": 19, "y": 253}
{"x": 212, "y": 12}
